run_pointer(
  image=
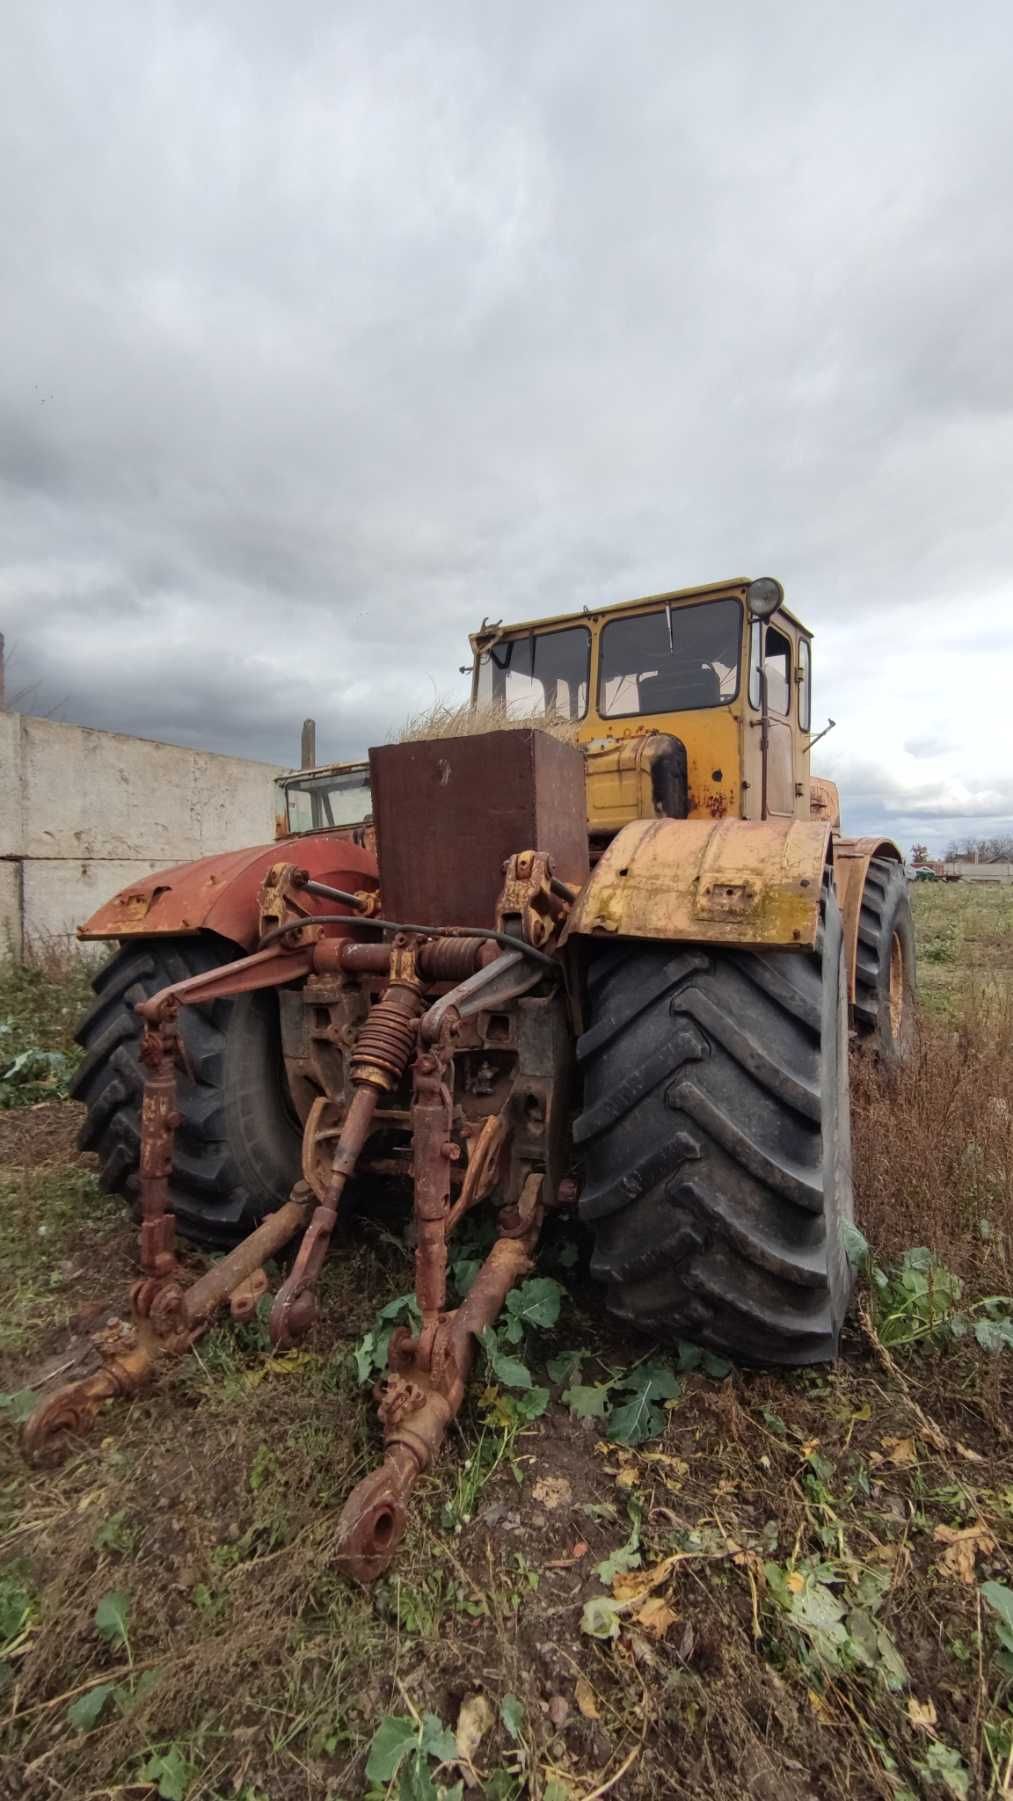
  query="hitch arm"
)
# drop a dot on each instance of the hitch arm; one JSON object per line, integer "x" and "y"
{"x": 423, "y": 1394}
{"x": 166, "y": 1321}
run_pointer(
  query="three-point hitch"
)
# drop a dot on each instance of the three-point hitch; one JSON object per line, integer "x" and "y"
{"x": 412, "y": 1015}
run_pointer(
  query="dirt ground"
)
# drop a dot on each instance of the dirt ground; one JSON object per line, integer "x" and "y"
{"x": 792, "y": 1589}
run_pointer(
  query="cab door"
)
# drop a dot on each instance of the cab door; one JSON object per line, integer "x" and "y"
{"x": 771, "y": 654}
{"x": 777, "y": 666}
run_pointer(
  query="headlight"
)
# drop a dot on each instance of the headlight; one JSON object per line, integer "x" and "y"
{"x": 764, "y": 596}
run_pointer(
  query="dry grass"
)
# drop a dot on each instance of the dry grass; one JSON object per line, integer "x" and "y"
{"x": 934, "y": 1149}
{"x": 210, "y": 1505}
{"x": 442, "y": 720}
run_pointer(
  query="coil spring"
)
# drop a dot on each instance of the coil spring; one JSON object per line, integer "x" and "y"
{"x": 451, "y": 959}
{"x": 387, "y": 1039}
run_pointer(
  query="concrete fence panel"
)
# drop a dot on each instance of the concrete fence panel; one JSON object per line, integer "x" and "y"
{"x": 84, "y": 812}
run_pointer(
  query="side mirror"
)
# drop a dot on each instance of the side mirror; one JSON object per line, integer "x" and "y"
{"x": 764, "y": 596}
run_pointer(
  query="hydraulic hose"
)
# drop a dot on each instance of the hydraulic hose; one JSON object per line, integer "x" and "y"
{"x": 394, "y": 925}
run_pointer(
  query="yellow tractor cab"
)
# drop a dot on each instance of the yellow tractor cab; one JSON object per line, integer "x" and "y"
{"x": 691, "y": 704}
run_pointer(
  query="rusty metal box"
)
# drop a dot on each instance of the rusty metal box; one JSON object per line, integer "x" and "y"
{"x": 449, "y": 811}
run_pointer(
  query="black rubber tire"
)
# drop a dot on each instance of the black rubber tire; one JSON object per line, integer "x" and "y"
{"x": 237, "y": 1150}
{"x": 885, "y": 1022}
{"x": 716, "y": 1143}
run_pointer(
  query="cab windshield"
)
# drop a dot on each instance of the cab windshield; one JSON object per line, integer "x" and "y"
{"x": 539, "y": 675}
{"x": 674, "y": 660}
{"x": 334, "y": 797}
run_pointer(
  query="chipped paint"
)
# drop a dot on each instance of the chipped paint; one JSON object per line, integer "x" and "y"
{"x": 726, "y": 881}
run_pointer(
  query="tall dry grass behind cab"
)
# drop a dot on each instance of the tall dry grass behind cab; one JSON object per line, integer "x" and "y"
{"x": 442, "y": 720}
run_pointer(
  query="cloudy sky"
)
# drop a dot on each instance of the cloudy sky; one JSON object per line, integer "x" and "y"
{"x": 328, "y": 330}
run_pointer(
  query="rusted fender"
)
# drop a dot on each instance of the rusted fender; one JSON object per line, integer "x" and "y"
{"x": 852, "y": 857}
{"x": 219, "y": 894}
{"x": 729, "y": 881}
{"x": 825, "y": 801}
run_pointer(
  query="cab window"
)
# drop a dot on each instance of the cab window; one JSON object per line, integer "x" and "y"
{"x": 675, "y": 660}
{"x": 805, "y": 689}
{"x": 542, "y": 674}
{"x": 777, "y": 665}
{"x": 341, "y": 797}
{"x": 770, "y": 650}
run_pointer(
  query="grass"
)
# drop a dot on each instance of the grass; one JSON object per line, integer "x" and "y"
{"x": 52, "y": 1227}
{"x": 801, "y": 1594}
{"x": 40, "y": 1005}
{"x": 965, "y": 940}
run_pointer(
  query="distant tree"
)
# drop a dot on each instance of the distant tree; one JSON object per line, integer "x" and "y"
{"x": 985, "y": 850}
{"x": 919, "y": 854}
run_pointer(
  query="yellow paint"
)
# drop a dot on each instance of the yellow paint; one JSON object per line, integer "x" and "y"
{"x": 714, "y": 737}
{"x": 732, "y": 882}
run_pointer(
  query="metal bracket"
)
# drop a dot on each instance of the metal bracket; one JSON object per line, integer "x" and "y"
{"x": 506, "y": 979}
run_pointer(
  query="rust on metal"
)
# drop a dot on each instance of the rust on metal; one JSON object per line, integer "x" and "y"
{"x": 439, "y": 960}
{"x": 450, "y": 811}
{"x": 533, "y": 904}
{"x": 852, "y": 857}
{"x": 166, "y": 1319}
{"x": 433, "y": 1150}
{"x": 728, "y": 882}
{"x": 160, "y": 1050}
{"x": 505, "y": 979}
{"x": 129, "y": 1356}
{"x": 422, "y": 1394}
{"x": 264, "y": 969}
{"x": 382, "y": 1051}
{"x": 219, "y": 894}
{"x": 482, "y": 1171}
{"x": 295, "y": 1309}
{"x": 282, "y": 901}
{"x": 623, "y": 780}
{"x": 825, "y": 801}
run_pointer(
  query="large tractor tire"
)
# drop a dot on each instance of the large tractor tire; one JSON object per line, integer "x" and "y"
{"x": 716, "y": 1143}
{"x": 238, "y": 1144}
{"x": 885, "y": 965}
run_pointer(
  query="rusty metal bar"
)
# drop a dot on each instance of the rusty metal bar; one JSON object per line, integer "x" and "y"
{"x": 295, "y": 1306}
{"x": 264, "y": 969}
{"x": 213, "y": 1289}
{"x": 480, "y": 1175}
{"x": 382, "y": 1049}
{"x": 166, "y": 1321}
{"x": 159, "y": 1119}
{"x": 72, "y": 1408}
{"x": 374, "y": 1517}
{"x": 439, "y": 960}
{"x": 492, "y": 985}
{"x": 432, "y": 1154}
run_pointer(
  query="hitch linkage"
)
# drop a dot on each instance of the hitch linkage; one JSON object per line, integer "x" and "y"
{"x": 428, "y": 1373}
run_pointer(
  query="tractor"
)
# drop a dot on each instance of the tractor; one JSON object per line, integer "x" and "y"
{"x": 604, "y": 948}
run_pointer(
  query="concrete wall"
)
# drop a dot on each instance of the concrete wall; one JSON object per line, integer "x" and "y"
{"x": 83, "y": 813}
{"x": 979, "y": 872}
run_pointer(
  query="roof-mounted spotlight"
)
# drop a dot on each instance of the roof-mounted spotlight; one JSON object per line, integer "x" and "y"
{"x": 764, "y": 596}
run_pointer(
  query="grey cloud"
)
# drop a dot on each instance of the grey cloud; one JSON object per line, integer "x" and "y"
{"x": 361, "y": 324}
{"x": 933, "y": 744}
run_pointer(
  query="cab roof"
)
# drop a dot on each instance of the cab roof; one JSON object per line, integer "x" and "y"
{"x": 549, "y": 621}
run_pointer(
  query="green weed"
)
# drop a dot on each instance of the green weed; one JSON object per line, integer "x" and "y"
{"x": 40, "y": 1007}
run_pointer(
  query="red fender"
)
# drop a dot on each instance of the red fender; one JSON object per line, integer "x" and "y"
{"x": 219, "y": 894}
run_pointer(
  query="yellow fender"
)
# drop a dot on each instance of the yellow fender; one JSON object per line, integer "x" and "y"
{"x": 701, "y": 881}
